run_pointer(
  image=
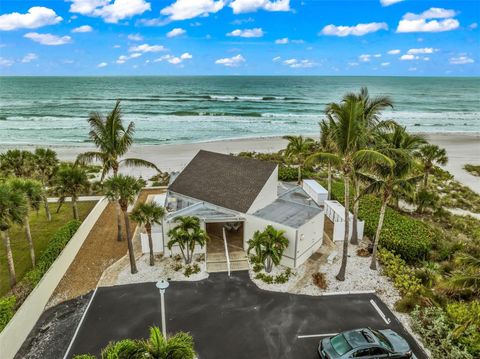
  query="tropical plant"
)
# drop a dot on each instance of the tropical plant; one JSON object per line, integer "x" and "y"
{"x": 18, "y": 163}
{"x": 124, "y": 190}
{"x": 33, "y": 192}
{"x": 269, "y": 246}
{"x": 430, "y": 155}
{"x": 327, "y": 145}
{"x": 297, "y": 149}
{"x": 187, "y": 234}
{"x": 13, "y": 209}
{"x": 71, "y": 181}
{"x": 465, "y": 279}
{"x": 349, "y": 134}
{"x": 148, "y": 214}
{"x": 46, "y": 165}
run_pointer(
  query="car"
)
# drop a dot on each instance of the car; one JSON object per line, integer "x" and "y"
{"x": 364, "y": 343}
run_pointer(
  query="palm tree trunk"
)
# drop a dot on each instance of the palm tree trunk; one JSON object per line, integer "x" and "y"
{"x": 343, "y": 268}
{"x": 133, "y": 264}
{"x": 28, "y": 234}
{"x": 11, "y": 265}
{"x": 119, "y": 221}
{"x": 47, "y": 209}
{"x": 373, "y": 265}
{"x": 150, "y": 243}
{"x": 268, "y": 265}
{"x": 425, "y": 179}
{"x": 354, "y": 239}
{"x": 75, "y": 209}
{"x": 329, "y": 181}
{"x": 188, "y": 258}
{"x": 299, "y": 180}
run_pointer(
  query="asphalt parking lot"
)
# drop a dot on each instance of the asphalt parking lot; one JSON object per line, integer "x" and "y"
{"x": 230, "y": 318}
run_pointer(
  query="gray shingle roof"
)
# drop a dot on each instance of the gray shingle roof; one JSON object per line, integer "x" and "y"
{"x": 228, "y": 181}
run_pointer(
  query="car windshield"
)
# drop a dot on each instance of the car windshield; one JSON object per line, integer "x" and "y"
{"x": 383, "y": 340}
{"x": 340, "y": 344}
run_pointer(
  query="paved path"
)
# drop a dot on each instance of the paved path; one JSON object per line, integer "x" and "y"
{"x": 229, "y": 318}
{"x": 80, "y": 199}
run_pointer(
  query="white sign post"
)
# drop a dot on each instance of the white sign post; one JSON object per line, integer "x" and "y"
{"x": 162, "y": 285}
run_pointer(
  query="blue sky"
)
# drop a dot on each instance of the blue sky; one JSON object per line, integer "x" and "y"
{"x": 240, "y": 37}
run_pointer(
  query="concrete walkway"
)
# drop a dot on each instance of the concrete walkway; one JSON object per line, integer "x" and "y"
{"x": 80, "y": 199}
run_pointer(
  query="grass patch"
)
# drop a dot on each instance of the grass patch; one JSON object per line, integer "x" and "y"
{"x": 472, "y": 169}
{"x": 42, "y": 232}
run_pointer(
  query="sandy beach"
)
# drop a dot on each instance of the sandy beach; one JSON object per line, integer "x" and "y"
{"x": 461, "y": 149}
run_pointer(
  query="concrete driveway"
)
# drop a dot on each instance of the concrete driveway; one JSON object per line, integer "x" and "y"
{"x": 230, "y": 318}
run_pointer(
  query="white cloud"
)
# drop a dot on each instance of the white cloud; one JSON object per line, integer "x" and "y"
{"x": 408, "y": 57}
{"x": 412, "y": 69}
{"x": 384, "y": 64}
{"x": 364, "y": 57}
{"x": 6, "y": 62}
{"x": 116, "y": 46}
{"x": 135, "y": 55}
{"x": 174, "y": 60}
{"x": 29, "y": 58}
{"x": 353, "y": 63}
{"x": 84, "y": 28}
{"x": 393, "y": 52}
{"x": 231, "y": 61}
{"x": 276, "y": 59}
{"x": 461, "y": 60}
{"x": 377, "y": 55}
{"x": 176, "y": 32}
{"x": 243, "y": 6}
{"x": 389, "y": 2}
{"x": 427, "y": 21}
{"x": 36, "y": 17}
{"x": 282, "y": 41}
{"x": 242, "y": 21}
{"x": 111, "y": 12}
{"x": 124, "y": 58}
{"x": 473, "y": 25}
{"x": 296, "y": 63}
{"x": 357, "y": 30}
{"x": 135, "y": 37}
{"x": 102, "y": 64}
{"x": 48, "y": 39}
{"x": 425, "y": 50}
{"x": 147, "y": 48}
{"x": 188, "y": 9}
{"x": 257, "y": 32}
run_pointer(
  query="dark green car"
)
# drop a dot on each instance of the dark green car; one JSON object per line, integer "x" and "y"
{"x": 365, "y": 343}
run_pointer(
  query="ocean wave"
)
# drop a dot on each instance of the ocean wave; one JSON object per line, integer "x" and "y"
{"x": 215, "y": 114}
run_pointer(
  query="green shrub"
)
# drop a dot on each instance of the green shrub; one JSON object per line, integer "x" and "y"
{"x": 191, "y": 269}
{"x": 7, "y": 309}
{"x": 257, "y": 267}
{"x": 266, "y": 278}
{"x": 466, "y": 316}
{"x": 284, "y": 277}
{"x": 403, "y": 276}
{"x": 436, "y": 330}
{"x": 84, "y": 356}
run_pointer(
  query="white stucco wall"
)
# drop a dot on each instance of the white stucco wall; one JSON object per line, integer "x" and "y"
{"x": 310, "y": 238}
{"x": 176, "y": 249}
{"x": 268, "y": 194}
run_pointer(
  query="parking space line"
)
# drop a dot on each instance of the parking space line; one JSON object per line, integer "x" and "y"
{"x": 382, "y": 315}
{"x": 316, "y": 335}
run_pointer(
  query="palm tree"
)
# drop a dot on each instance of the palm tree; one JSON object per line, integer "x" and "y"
{"x": 148, "y": 214}
{"x": 327, "y": 145}
{"x": 430, "y": 155}
{"x": 466, "y": 278}
{"x": 269, "y": 246}
{"x": 297, "y": 149}
{"x": 349, "y": 134}
{"x": 125, "y": 190}
{"x": 13, "y": 209}
{"x": 113, "y": 141}
{"x": 187, "y": 234}
{"x": 71, "y": 181}
{"x": 18, "y": 163}
{"x": 46, "y": 165}
{"x": 33, "y": 192}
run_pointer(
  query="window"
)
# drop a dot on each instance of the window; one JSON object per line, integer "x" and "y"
{"x": 377, "y": 351}
{"x": 340, "y": 344}
{"x": 361, "y": 353}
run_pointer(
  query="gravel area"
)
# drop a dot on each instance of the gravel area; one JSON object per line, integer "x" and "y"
{"x": 287, "y": 287}
{"x": 163, "y": 268}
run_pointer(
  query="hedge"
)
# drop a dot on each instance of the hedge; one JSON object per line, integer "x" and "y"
{"x": 410, "y": 238}
{"x": 62, "y": 236}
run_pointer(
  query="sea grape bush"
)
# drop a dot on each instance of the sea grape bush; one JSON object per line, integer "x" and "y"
{"x": 7, "y": 309}
{"x": 402, "y": 275}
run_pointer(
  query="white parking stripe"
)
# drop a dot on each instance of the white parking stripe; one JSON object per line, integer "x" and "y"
{"x": 382, "y": 315}
{"x": 317, "y": 335}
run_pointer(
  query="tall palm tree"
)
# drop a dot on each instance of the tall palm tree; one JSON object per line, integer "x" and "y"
{"x": 466, "y": 277}
{"x": 297, "y": 149}
{"x": 33, "y": 192}
{"x": 269, "y": 246}
{"x": 148, "y": 214}
{"x": 13, "y": 209}
{"x": 18, "y": 163}
{"x": 327, "y": 144}
{"x": 430, "y": 155}
{"x": 187, "y": 234}
{"x": 71, "y": 181}
{"x": 125, "y": 189}
{"x": 113, "y": 140}
{"x": 46, "y": 165}
{"x": 349, "y": 135}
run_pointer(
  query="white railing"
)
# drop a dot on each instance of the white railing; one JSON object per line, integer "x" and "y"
{"x": 226, "y": 251}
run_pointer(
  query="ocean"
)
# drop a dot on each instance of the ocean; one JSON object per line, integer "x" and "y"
{"x": 54, "y": 110}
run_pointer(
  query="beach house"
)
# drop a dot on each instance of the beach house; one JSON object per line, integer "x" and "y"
{"x": 235, "y": 196}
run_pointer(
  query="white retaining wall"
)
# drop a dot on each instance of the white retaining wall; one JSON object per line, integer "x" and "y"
{"x": 17, "y": 330}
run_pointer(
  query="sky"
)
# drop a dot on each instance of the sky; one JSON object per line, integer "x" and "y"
{"x": 240, "y": 37}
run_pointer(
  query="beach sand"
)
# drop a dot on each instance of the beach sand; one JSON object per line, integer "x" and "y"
{"x": 461, "y": 149}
